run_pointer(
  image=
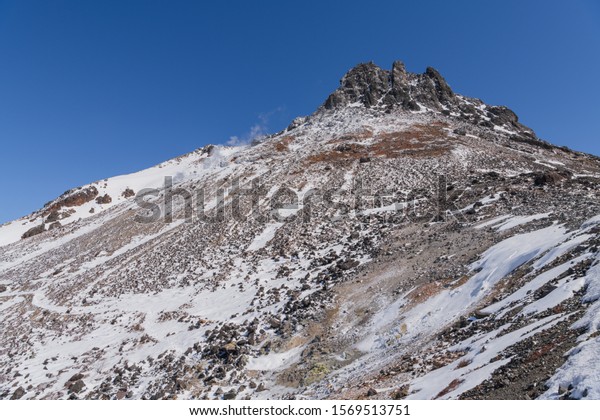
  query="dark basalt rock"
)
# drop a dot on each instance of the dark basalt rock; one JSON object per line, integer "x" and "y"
{"x": 34, "y": 231}
{"x": 54, "y": 225}
{"x": 551, "y": 177}
{"x": 18, "y": 394}
{"x": 72, "y": 198}
{"x": 53, "y": 216}
{"x": 529, "y": 138}
{"x": 208, "y": 150}
{"x": 502, "y": 115}
{"x": 348, "y": 264}
{"x": 77, "y": 387}
{"x": 128, "y": 193}
{"x": 105, "y": 199}
{"x": 365, "y": 83}
{"x": 443, "y": 92}
{"x": 76, "y": 377}
{"x": 400, "y": 89}
{"x": 432, "y": 90}
{"x": 230, "y": 395}
{"x": 372, "y": 86}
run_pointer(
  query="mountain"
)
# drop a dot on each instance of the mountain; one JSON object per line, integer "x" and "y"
{"x": 403, "y": 241}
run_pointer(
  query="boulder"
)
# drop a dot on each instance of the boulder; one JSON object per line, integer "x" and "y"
{"x": 54, "y": 225}
{"x": 76, "y": 377}
{"x": 53, "y": 216}
{"x": 76, "y": 387}
{"x": 104, "y": 199}
{"x": 128, "y": 193}
{"x": 34, "y": 231}
{"x": 372, "y": 86}
{"x": 443, "y": 92}
{"x": 18, "y": 394}
{"x": 551, "y": 177}
{"x": 230, "y": 395}
{"x": 401, "y": 392}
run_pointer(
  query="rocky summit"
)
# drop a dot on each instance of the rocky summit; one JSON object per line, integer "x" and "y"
{"x": 402, "y": 242}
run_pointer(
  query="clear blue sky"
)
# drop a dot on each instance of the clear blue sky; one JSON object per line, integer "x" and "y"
{"x": 91, "y": 89}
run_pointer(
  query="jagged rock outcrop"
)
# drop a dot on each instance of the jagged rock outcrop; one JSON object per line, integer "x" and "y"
{"x": 104, "y": 199}
{"x": 372, "y": 86}
{"x": 128, "y": 193}
{"x": 72, "y": 198}
{"x": 365, "y": 83}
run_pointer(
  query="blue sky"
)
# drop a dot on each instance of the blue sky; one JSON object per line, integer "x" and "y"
{"x": 91, "y": 89}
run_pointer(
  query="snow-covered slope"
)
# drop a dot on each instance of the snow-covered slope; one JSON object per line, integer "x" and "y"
{"x": 403, "y": 241}
{"x": 121, "y": 189}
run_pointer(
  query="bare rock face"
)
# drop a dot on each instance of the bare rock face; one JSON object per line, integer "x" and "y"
{"x": 442, "y": 90}
{"x": 400, "y": 89}
{"x": 105, "y": 199}
{"x": 551, "y": 177}
{"x": 208, "y": 150}
{"x": 501, "y": 115}
{"x": 365, "y": 83}
{"x": 75, "y": 378}
{"x": 128, "y": 193}
{"x": 372, "y": 86}
{"x": 34, "y": 231}
{"x": 57, "y": 215}
{"x": 77, "y": 386}
{"x": 72, "y": 198}
{"x": 18, "y": 394}
{"x": 53, "y": 216}
{"x": 54, "y": 225}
